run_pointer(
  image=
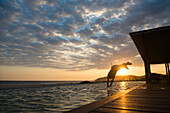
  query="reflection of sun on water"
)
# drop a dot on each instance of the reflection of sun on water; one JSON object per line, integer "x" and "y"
{"x": 122, "y": 83}
{"x": 123, "y": 86}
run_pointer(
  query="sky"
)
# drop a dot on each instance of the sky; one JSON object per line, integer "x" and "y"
{"x": 74, "y": 39}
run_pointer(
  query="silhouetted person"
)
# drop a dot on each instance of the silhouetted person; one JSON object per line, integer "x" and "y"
{"x": 114, "y": 70}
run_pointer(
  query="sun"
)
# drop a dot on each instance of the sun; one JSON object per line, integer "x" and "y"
{"x": 122, "y": 70}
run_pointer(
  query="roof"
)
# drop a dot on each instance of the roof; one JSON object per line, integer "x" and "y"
{"x": 153, "y": 44}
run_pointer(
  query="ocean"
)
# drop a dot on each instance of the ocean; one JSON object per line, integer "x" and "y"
{"x": 54, "y": 96}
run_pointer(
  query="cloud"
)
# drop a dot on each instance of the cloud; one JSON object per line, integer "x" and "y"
{"x": 75, "y": 35}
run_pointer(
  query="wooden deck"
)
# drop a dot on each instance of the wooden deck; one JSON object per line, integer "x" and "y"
{"x": 153, "y": 97}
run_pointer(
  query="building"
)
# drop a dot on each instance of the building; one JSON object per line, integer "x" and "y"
{"x": 154, "y": 47}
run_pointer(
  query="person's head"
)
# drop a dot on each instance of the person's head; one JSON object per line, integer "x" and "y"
{"x": 128, "y": 63}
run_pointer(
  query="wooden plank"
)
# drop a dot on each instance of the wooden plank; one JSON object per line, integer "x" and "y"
{"x": 138, "y": 108}
{"x": 140, "y": 102}
{"x": 94, "y": 105}
{"x": 137, "y": 104}
{"x": 147, "y": 96}
{"x": 159, "y": 99}
{"x": 149, "y": 93}
{"x": 110, "y": 110}
{"x": 141, "y": 96}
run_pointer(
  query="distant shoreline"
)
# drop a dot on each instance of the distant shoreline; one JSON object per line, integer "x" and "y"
{"x": 123, "y": 78}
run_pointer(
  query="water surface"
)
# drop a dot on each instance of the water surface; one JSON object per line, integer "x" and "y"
{"x": 57, "y": 98}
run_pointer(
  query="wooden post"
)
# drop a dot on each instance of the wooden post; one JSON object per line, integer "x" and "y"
{"x": 167, "y": 71}
{"x": 167, "y": 64}
{"x": 147, "y": 71}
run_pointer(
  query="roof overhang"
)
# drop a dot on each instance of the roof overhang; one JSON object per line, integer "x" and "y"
{"x": 153, "y": 44}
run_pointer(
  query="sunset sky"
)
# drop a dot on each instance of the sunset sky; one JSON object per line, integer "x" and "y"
{"x": 74, "y": 39}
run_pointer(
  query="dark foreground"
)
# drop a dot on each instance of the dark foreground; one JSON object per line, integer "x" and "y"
{"x": 153, "y": 97}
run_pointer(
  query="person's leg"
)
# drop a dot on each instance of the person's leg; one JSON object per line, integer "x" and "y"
{"x": 111, "y": 82}
{"x": 107, "y": 81}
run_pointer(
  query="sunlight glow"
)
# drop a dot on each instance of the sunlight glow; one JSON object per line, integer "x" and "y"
{"x": 123, "y": 86}
{"x": 123, "y": 70}
{"x": 122, "y": 83}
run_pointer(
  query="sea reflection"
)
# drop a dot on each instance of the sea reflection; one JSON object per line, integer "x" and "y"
{"x": 122, "y": 87}
{"x": 122, "y": 83}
